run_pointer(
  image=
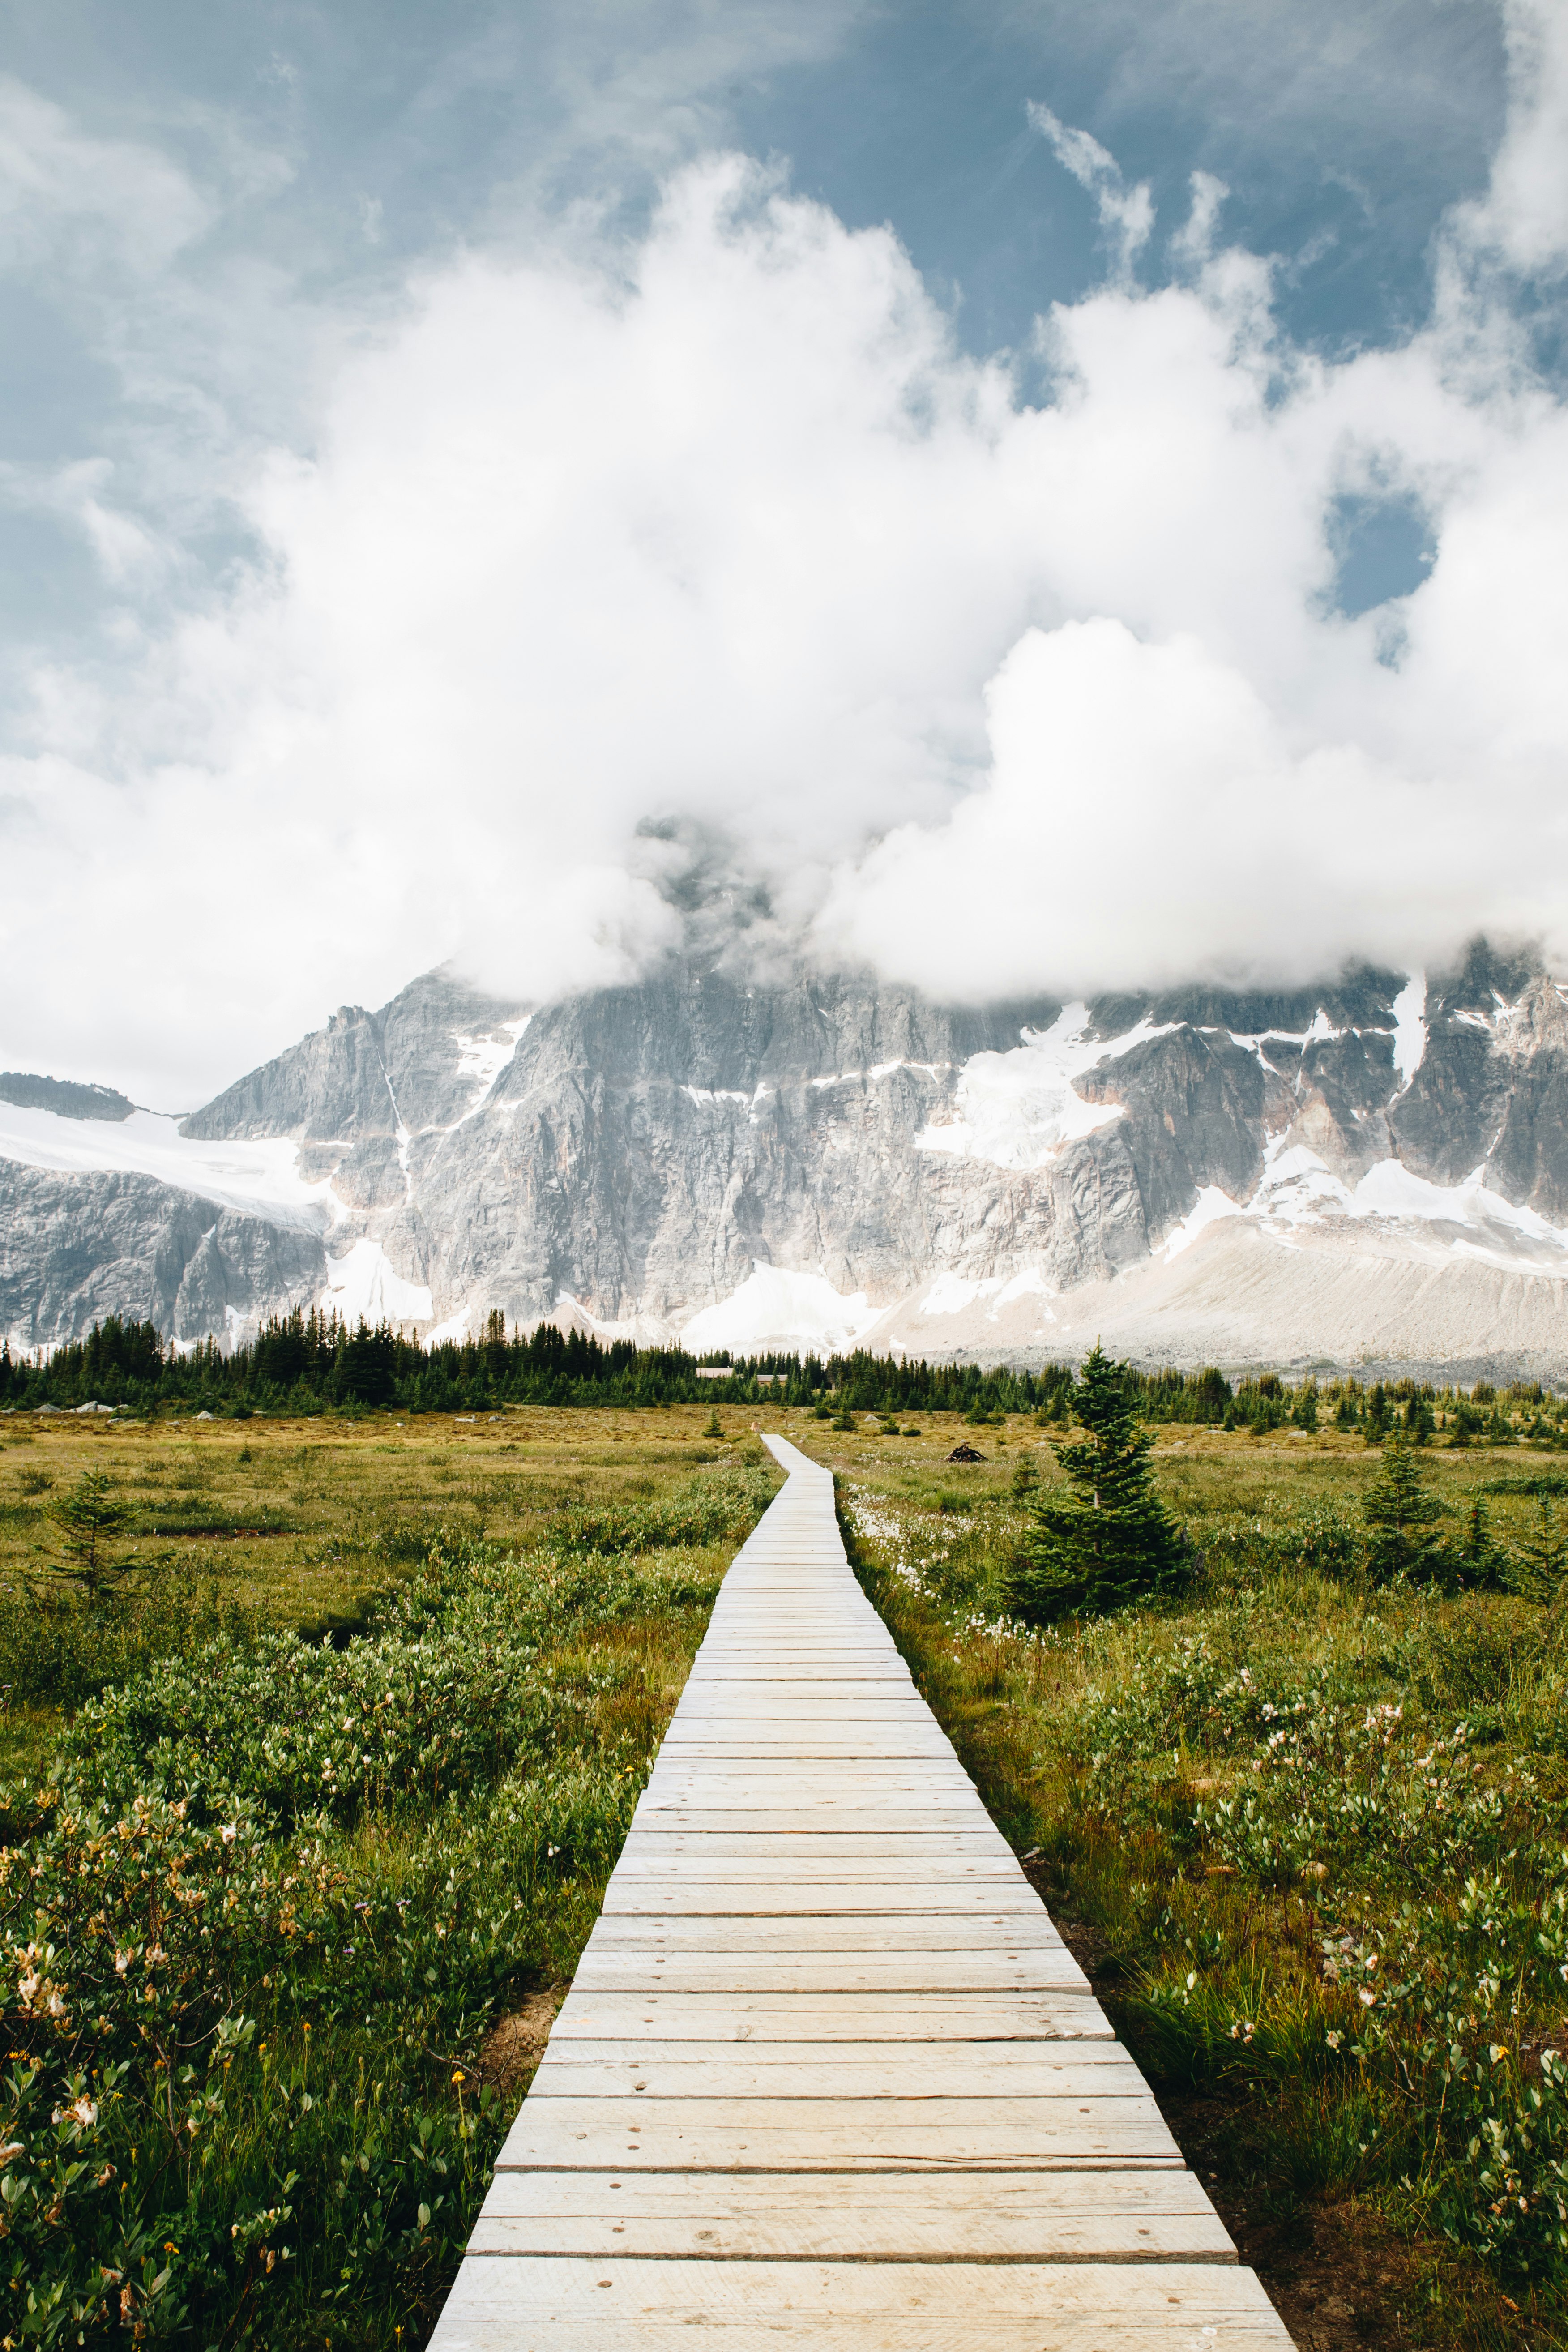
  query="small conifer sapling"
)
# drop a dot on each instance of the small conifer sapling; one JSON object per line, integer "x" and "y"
{"x": 86, "y": 1522}
{"x": 1400, "y": 1516}
{"x": 1478, "y": 1558}
{"x": 1538, "y": 1571}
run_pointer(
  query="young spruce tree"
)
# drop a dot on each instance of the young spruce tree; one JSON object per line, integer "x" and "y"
{"x": 86, "y": 1521}
{"x": 1539, "y": 1568}
{"x": 1479, "y": 1562}
{"x": 1105, "y": 1538}
{"x": 1402, "y": 1537}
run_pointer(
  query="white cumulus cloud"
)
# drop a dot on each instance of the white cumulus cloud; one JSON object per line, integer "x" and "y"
{"x": 717, "y": 529}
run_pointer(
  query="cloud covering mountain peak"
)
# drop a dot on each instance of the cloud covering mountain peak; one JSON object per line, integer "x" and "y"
{"x": 711, "y": 530}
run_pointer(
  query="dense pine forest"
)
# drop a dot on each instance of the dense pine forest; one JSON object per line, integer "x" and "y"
{"x": 316, "y": 1363}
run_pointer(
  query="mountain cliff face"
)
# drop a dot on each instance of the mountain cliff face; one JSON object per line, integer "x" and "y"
{"x": 1375, "y": 1170}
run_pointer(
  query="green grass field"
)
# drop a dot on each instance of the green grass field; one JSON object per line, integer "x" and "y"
{"x": 303, "y": 1832}
{"x": 1310, "y": 1840}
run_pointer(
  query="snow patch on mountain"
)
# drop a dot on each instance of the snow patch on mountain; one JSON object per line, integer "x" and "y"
{"x": 261, "y": 1174}
{"x": 877, "y": 1072}
{"x": 1210, "y": 1205}
{"x": 481, "y": 1060}
{"x": 1017, "y": 1109}
{"x": 777, "y": 1306}
{"x": 365, "y": 1284}
{"x": 1410, "y": 1028}
{"x": 1030, "y": 1284}
{"x": 1298, "y": 1189}
{"x": 956, "y": 1294}
{"x": 950, "y": 1294}
{"x": 1391, "y": 1190}
{"x": 584, "y": 1317}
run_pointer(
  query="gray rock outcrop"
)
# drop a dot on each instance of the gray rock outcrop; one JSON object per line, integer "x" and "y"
{"x": 75, "y": 1249}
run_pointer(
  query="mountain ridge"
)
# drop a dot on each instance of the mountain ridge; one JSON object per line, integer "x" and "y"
{"x": 703, "y": 1150}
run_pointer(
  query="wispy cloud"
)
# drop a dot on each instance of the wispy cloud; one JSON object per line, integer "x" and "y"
{"x": 1126, "y": 213}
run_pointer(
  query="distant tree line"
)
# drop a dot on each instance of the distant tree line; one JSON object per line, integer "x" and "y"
{"x": 315, "y": 1362}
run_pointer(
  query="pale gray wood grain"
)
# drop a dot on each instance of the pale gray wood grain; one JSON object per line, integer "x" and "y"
{"x": 827, "y": 2075}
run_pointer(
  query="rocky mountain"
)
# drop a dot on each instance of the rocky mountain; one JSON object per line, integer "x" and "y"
{"x": 1372, "y": 1171}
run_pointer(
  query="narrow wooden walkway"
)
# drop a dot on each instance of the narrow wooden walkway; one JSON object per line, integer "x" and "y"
{"x": 827, "y": 2075}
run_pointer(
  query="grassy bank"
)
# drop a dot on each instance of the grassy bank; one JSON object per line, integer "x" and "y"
{"x": 1310, "y": 1840}
{"x": 302, "y": 1829}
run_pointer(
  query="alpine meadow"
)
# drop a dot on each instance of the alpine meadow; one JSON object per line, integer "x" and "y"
{"x": 313, "y": 1786}
{"x": 784, "y": 1176}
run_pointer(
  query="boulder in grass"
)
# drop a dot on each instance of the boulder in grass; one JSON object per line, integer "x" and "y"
{"x": 965, "y": 1454}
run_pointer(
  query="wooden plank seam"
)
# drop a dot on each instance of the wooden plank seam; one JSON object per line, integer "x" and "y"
{"x": 826, "y": 2075}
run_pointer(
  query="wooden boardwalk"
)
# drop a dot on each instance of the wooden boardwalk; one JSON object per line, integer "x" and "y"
{"x": 827, "y": 2075}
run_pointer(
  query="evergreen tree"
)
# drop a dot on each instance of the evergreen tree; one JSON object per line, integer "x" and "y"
{"x": 1400, "y": 1517}
{"x": 1464, "y": 1422}
{"x": 1025, "y": 1477}
{"x": 1538, "y": 1571}
{"x": 86, "y": 1522}
{"x": 1376, "y": 1422}
{"x": 1478, "y": 1558}
{"x": 1105, "y": 1538}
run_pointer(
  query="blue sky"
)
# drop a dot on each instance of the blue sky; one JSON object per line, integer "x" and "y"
{"x": 342, "y": 145}
{"x": 273, "y": 277}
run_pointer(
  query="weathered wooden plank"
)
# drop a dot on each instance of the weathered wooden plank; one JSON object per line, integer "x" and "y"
{"x": 799, "y": 1702}
{"x": 1177, "y": 2301}
{"x": 507, "y": 2320}
{"x": 824, "y": 1898}
{"x": 606, "y": 1971}
{"x": 936, "y": 1784}
{"x": 893, "y": 1813}
{"x": 935, "y": 1778}
{"x": 1013, "y": 2196}
{"x": 848, "y": 2135}
{"x": 719, "y": 1711}
{"x": 929, "y": 2019}
{"x": 663, "y": 1862}
{"x": 724, "y": 1743}
{"x": 819, "y": 1889}
{"x": 966, "y": 1853}
{"x": 665, "y": 1858}
{"x": 983, "y": 1932}
{"x": 1138, "y": 2217}
{"x": 838, "y": 2070}
{"x": 661, "y": 1812}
